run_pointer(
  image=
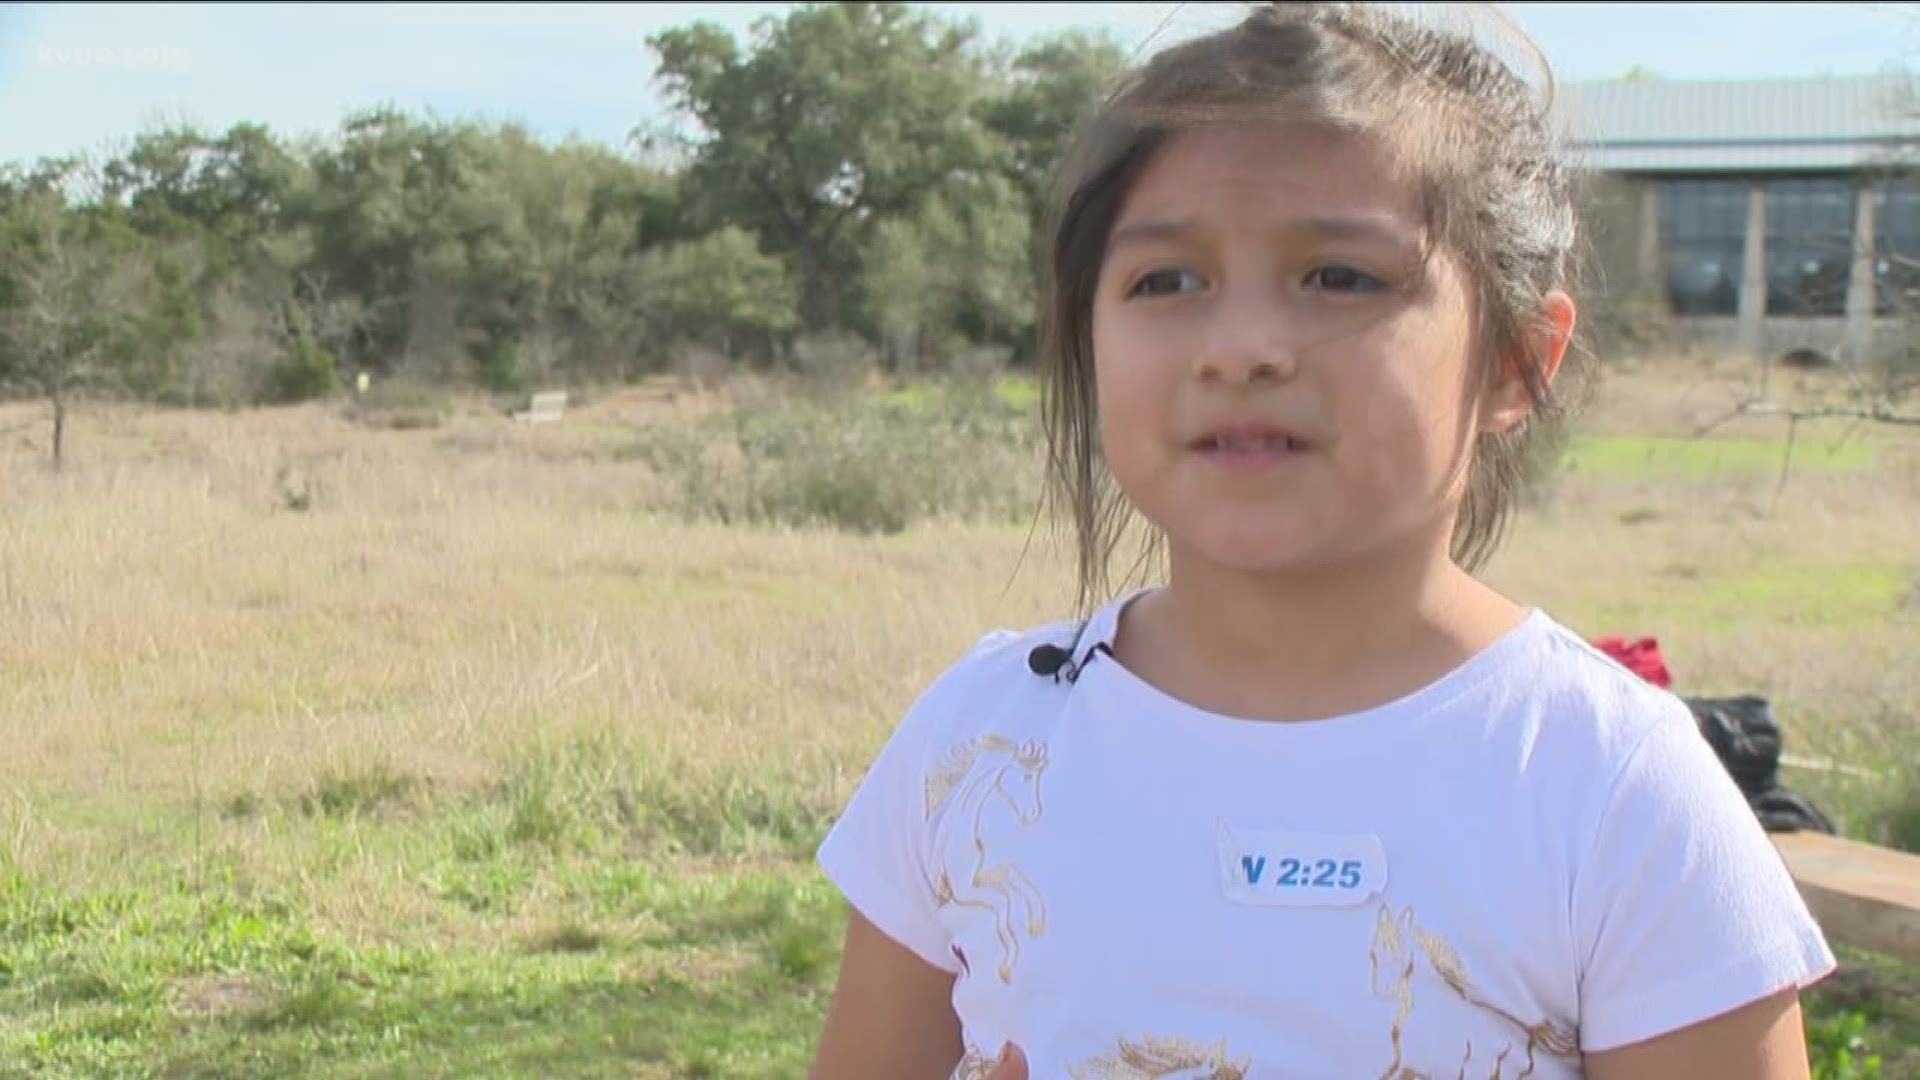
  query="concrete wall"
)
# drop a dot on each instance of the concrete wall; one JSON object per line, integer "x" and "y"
{"x": 1779, "y": 336}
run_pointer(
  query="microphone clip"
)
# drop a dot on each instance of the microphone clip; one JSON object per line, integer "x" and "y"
{"x": 1052, "y": 661}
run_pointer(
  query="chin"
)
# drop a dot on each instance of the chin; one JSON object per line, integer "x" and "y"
{"x": 1258, "y": 547}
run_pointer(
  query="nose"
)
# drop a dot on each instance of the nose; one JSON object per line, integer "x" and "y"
{"x": 1246, "y": 341}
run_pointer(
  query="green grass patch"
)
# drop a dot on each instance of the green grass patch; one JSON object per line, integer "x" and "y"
{"x": 917, "y": 397}
{"x": 1657, "y": 457}
{"x": 1899, "y": 817}
{"x": 1864, "y": 593}
{"x": 1863, "y": 1022}
{"x": 725, "y": 976}
{"x": 639, "y": 969}
{"x": 1829, "y": 593}
{"x": 349, "y": 791}
{"x": 1020, "y": 392}
{"x": 593, "y": 794}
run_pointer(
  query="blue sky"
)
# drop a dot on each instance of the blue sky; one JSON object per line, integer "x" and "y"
{"x": 78, "y": 77}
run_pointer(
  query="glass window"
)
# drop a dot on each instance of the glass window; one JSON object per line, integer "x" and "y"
{"x": 1809, "y": 245}
{"x": 1896, "y": 242}
{"x": 1703, "y": 232}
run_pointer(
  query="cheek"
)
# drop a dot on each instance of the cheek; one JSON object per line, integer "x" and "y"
{"x": 1135, "y": 345}
{"x": 1135, "y": 405}
{"x": 1124, "y": 369}
{"x": 1407, "y": 412}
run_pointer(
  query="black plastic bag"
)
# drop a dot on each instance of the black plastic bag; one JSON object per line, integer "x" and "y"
{"x": 1746, "y": 738}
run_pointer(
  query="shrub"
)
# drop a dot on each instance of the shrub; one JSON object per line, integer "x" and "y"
{"x": 855, "y": 461}
{"x": 304, "y": 373}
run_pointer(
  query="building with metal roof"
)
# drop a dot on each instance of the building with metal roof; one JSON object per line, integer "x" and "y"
{"x": 1775, "y": 215}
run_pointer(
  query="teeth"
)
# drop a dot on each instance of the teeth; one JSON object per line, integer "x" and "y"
{"x": 1238, "y": 445}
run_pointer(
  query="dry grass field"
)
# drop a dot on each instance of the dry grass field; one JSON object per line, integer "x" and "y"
{"x": 340, "y": 745}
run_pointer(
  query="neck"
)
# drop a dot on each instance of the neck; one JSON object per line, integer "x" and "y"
{"x": 1309, "y": 618}
{"x": 1325, "y": 639}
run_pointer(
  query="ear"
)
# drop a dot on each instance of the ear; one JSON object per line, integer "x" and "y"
{"x": 1507, "y": 402}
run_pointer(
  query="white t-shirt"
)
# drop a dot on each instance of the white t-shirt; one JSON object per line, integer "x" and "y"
{"x": 1535, "y": 856}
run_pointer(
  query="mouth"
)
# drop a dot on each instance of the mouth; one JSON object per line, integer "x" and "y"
{"x": 1249, "y": 442}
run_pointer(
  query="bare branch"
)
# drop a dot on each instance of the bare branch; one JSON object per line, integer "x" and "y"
{"x": 1786, "y": 465}
{"x": 1876, "y": 409}
{"x": 1739, "y": 410}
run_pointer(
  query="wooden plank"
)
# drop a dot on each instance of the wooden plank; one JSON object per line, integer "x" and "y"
{"x": 544, "y": 407}
{"x": 1864, "y": 896}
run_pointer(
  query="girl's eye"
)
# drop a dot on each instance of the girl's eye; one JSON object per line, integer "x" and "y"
{"x": 1343, "y": 279}
{"x": 1166, "y": 283}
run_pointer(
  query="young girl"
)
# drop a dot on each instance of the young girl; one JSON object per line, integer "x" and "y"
{"x": 1322, "y": 805}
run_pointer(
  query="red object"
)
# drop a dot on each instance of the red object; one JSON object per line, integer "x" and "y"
{"x": 1642, "y": 657}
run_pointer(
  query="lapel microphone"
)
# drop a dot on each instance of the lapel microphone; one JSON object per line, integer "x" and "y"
{"x": 1052, "y": 661}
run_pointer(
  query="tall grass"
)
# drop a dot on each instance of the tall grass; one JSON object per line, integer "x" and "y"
{"x": 532, "y": 730}
{"x": 851, "y": 461}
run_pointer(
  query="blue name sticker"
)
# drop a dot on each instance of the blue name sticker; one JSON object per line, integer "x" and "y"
{"x": 1285, "y": 868}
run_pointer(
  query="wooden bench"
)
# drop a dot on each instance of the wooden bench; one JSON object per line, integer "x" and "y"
{"x": 1863, "y": 895}
{"x": 544, "y": 407}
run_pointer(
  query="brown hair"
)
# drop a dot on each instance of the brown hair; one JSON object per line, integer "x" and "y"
{"x": 1470, "y": 133}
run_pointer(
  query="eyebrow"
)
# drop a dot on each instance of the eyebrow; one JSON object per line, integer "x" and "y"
{"x": 1330, "y": 227}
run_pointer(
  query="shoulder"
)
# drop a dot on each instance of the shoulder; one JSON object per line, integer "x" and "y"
{"x": 1001, "y": 652}
{"x": 1594, "y": 702}
{"x": 1678, "y": 906}
{"x": 1632, "y": 760}
{"x": 1587, "y": 739}
{"x": 990, "y": 687}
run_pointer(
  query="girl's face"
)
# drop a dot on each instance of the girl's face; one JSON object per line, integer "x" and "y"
{"x": 1282, "y": 380}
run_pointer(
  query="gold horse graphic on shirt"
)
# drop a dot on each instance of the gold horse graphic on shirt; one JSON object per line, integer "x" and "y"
{"x": 1398, "y": 946}
{"x": 1162, "y": 1059}
{"x": 1146, "y": 1058}
{"x": 987, "y": 770}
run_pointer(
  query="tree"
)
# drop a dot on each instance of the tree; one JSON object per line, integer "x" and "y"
{"x": 233, "y": 185}
{"x": 225, "y": 219}
{"x": 858, "y": 167}
{"x": 905, "y": 283}
{"x": 72, "y": 284}
{"x": 720, "y": 290}
{"x": 381, "y": 225}
{"x": 957, "y": 268}
{"x": 473, "y": 249}
{"x": 834, "y": 114}
{"x": 552, "y": 240}
{"x": 224, "y": 194}
{"x": 1050, "y": 86}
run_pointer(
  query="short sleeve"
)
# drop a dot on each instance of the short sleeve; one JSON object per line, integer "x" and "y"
{"x": 877, "y": 853}
{"x": 1683, "y": 910}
